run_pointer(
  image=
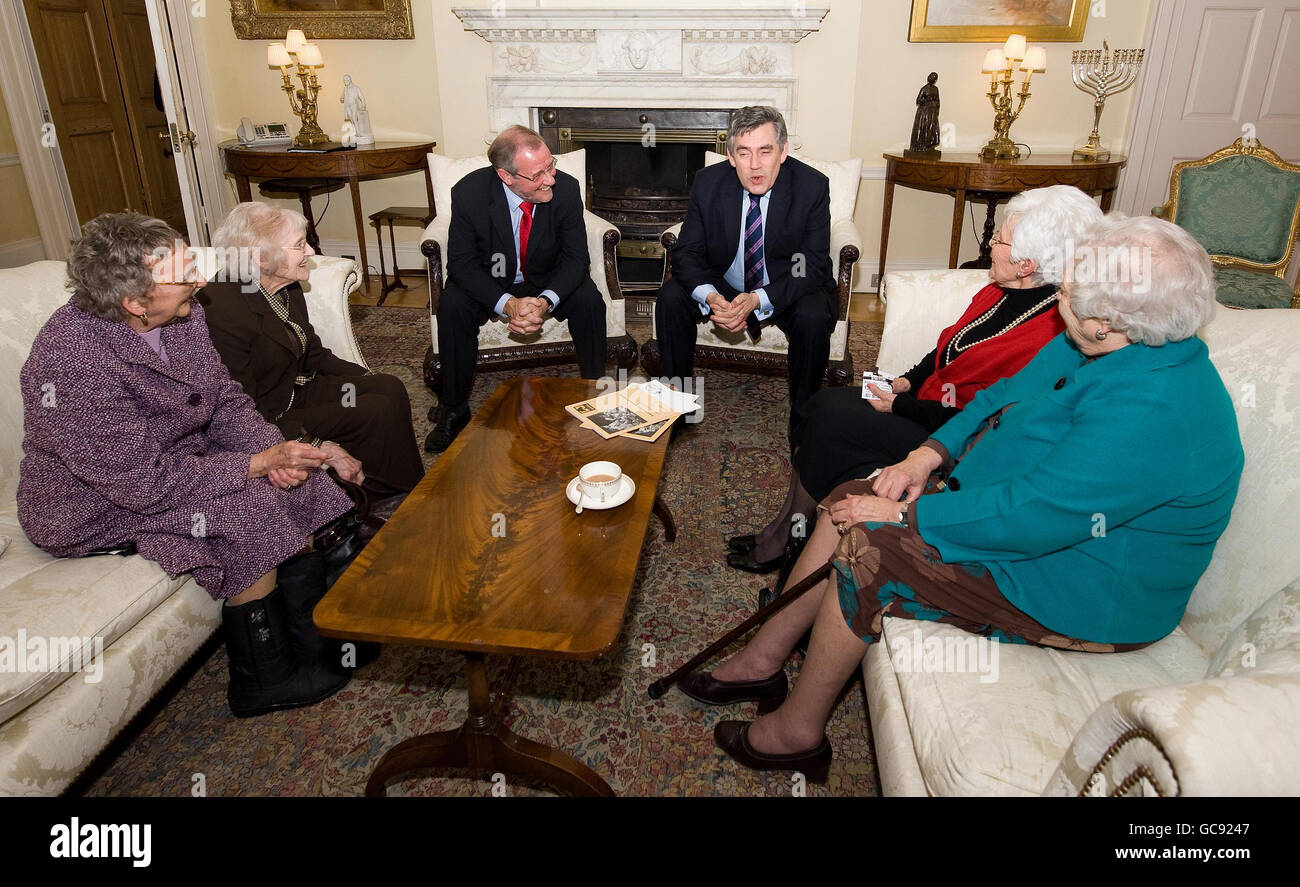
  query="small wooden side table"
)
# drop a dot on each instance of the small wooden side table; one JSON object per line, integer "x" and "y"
{"x": 400, "y": 215}
{"x": 969, "y": 177}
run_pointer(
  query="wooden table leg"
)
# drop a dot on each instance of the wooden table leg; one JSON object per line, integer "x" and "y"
{"x": 484, "y": 743}
{"x": 241, "y": 188}
{"x": 355, "y": 187}
{"x": 985, "y": 258}
{"x": 1107, "y": 196}
{"x": 666, "y": 516}
{"x": 958, "y": 219}
{"x": 885, "y": 215}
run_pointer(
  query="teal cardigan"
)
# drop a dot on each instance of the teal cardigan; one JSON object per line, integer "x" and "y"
{"x": 1096, "y": 499}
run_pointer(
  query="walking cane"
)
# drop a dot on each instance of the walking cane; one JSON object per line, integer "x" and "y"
{"x": 787, "y": 597}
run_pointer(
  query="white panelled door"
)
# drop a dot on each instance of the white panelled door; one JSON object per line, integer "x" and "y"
{"x": 1223, "y": 69}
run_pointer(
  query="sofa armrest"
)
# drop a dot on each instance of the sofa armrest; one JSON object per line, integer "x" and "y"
{"x": 329, "y": 283}
{"x": 1220, "y": 736}
{"x": 602, "y": 244}
{"x": 844, "y": 233}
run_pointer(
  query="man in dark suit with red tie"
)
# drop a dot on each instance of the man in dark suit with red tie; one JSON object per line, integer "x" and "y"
{"x": 754, "y": 250}
{"x": 517, "y": 250}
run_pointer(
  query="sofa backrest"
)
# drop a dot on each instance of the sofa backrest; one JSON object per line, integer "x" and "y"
{"x": 1257, "y": 357}
{"x": 31, "y": 295}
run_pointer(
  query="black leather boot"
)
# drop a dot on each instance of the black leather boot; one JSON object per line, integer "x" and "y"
{"x": 304, "y": 579}
{"x": 265, "y": 674}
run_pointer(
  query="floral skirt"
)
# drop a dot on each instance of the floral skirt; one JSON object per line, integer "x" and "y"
{"x": 889, "y": 570}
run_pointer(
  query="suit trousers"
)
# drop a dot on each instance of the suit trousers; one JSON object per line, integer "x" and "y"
{"x": 371, "y": 420}
{"x": 807, "y": 324}
{"x": 460, "y": 316}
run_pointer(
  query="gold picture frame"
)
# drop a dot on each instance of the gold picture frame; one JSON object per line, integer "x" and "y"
{"x": 323, "y": 19}
{"x": 992, "y": 21}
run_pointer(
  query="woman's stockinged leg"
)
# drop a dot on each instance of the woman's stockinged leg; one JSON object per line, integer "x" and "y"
{"x": 771, "y": 646}
{"x": 835, "y": 651}
{"x": 771, "y": 540}
{"x": 255, "y": 592}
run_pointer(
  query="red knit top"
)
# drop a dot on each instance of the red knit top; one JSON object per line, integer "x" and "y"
{"x": 979, "y": 366}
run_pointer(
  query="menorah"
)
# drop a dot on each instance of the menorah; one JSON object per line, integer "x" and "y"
{"x": 1100, "y": 74}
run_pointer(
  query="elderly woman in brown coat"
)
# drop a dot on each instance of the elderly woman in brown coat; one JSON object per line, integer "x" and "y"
{"x": 134, "y": 433}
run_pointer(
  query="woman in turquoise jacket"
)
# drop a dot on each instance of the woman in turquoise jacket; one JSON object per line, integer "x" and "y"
{"x": 1083, "y": 500}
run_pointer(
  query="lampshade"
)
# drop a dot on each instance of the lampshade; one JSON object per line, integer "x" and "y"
{"x": 994, "y": 62}
{"x": 1035, "y": 59}
{"x": 294, "y": 40}
{"x": 1015, "y": 47}
{"x": 277, "y": 56}
{"x": 310, "y": 56}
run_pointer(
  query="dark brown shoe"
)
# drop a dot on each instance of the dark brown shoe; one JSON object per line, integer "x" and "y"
{"x": 742, "y": 543}
{"x": 769, "y": 693}
{"x": 733, "y": 738}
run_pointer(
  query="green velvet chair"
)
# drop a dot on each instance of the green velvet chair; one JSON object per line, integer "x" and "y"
{"x": 1242, "y": 203}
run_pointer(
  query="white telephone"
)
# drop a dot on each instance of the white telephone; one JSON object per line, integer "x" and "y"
{"x": 251, "y": 133}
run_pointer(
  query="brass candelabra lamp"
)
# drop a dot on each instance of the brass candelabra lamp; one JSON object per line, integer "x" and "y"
{"x": 1100, "y": 74}
{"x": 1002, "y": 61}
{"x": 306, "y": 58}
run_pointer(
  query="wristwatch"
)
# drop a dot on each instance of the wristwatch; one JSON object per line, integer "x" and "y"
{"x": 902, "y": 514}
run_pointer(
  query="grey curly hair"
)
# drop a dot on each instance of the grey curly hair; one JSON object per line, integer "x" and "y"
{"x": 110, "y": 261}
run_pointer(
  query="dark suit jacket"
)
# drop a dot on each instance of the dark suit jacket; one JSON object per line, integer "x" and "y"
{"x": 480, "y": 231}
{"x": 798, "y": 223}
{"x": 259, "y": 350}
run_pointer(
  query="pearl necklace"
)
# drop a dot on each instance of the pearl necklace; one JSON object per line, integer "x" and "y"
{"x": 955, "y": 348}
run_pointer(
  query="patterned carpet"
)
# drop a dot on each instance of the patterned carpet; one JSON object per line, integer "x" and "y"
{"x": 723, "y": 476}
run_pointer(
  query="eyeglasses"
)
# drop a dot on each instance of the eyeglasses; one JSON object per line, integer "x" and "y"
{"x": 997, "y": 241}
{"x": 550, "y": 168}
{"x": 192, "y": 279}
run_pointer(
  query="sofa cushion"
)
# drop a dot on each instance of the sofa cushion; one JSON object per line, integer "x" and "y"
{"x": 1003, "y": 729}
{"x": 1267, "y": 641}
{"x": 46, "y": 598}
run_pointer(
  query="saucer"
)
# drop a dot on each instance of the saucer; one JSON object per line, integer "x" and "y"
{"x": 626, "y": 489}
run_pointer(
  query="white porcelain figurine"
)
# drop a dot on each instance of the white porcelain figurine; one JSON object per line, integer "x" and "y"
{"x": 354, "y": 110}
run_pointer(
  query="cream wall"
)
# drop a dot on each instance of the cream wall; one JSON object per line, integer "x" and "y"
{"x": 400, "y": 83}
{"x": 18, "y": 221}
{"x": 858, "y": 79}
{"x": 1056, "y": 118}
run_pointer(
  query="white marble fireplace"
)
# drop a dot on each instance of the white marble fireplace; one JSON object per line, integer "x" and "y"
{"x": 641, "y": 56}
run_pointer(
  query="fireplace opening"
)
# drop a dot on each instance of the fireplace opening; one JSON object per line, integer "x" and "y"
{"x": 640, "y": 166}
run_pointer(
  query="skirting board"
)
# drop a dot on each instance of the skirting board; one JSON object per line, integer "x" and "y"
{"x": 21, "y": 252}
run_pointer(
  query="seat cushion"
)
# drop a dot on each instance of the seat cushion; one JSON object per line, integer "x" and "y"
{"x": 999, "y": 725}
{"x": 772, "y": 340}
{"x": 44, "y": 599}
{"x": 1266, "y": 641}
{"x": 1240, "y": 288}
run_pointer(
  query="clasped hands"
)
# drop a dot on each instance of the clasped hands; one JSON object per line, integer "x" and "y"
{"x": 903, "y": 482}
{"x": 731, "y": 315}
{"x": 288, "y": 464}
{"x": 526, "y": 314}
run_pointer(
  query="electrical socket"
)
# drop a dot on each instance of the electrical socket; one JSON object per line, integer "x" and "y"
{"x": 875, "y": 282}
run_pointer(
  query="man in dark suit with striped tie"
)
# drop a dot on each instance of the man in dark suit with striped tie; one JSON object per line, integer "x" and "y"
{"x": 754, "y": 250}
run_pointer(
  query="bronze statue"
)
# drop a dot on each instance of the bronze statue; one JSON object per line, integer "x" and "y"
{"x": 925, "y": 128}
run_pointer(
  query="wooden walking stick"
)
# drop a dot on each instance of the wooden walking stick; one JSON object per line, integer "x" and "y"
{"x": 787, "y": 597}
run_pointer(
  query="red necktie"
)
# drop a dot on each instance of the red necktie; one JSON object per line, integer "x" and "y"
{"x": 525, "y": 228}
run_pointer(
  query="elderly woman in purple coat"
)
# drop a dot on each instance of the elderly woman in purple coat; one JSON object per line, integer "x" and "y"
{"x": 134, "y": 432}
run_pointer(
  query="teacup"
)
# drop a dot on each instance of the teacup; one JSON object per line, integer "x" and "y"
{"x": 599, "y": 480}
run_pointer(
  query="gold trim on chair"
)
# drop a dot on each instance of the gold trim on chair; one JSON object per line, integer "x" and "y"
{"x": 1138, "y": 774}
{"x": 1169, "y": 210}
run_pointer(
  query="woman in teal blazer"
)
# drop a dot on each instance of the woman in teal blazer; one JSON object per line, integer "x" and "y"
{"x": 1083, "y": 500}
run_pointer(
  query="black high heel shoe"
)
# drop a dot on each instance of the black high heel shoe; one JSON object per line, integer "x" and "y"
{"x": 733, "y": 738}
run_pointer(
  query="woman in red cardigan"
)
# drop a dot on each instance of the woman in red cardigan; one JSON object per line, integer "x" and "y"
{"x": 839, "y": 436}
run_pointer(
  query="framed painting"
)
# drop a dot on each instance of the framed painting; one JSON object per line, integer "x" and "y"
{"x": 323, "y": 19}
{"x": 992, "y": 21}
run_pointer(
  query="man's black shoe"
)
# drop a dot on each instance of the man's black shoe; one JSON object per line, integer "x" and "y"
{"x": 447, "y": 423}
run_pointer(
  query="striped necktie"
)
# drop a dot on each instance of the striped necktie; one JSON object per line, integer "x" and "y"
{"x": 753, "y": 245}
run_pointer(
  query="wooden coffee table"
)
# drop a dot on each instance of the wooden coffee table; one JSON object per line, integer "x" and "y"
{"x": 487, "y": 556}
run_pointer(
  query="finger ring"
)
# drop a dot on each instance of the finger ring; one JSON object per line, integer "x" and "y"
{"x": 842, "y": 527}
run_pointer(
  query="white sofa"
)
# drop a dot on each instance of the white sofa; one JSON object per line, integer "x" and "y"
{"x": 53, "y": 722}
{"x": 1213, "y": 709}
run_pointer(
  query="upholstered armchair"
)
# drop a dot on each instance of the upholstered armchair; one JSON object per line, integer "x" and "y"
{"x": 1242, "y": 203}
{"x": 718, "y": 349}
{"x": 498, "y": 348}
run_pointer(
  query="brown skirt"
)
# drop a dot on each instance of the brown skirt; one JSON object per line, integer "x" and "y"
{"x": 886, "y": 569}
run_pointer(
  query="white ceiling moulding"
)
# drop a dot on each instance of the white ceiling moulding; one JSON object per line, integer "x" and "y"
{"x": 648, "y": 56}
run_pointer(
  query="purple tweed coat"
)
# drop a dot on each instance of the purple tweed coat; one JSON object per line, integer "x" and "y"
{"x": 119, "y": 446}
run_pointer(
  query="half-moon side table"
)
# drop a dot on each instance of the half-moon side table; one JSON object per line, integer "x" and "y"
{"x": 377, "y": 161}
{"x": 968, "y": 176}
